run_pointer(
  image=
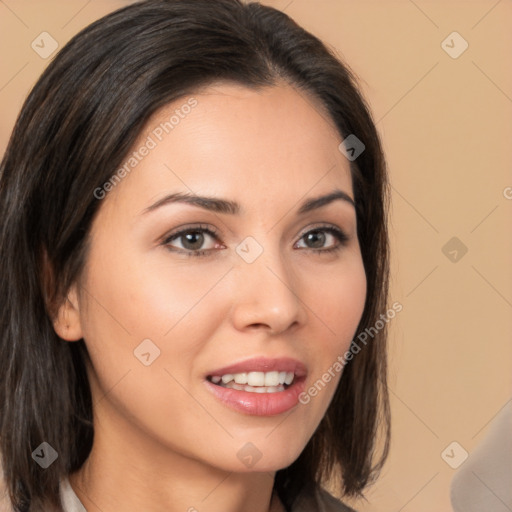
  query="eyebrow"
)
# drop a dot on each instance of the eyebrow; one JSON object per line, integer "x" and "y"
{"x": 232, "y": 207}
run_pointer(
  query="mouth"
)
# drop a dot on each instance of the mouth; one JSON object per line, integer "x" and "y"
{"x": 255, "y": 382}
{"x": 260, "y": 386}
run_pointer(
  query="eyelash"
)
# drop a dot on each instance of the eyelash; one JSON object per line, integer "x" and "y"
{"x": 336, "y": 232}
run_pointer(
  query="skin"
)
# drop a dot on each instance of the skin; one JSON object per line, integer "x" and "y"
{"x": 162, "y": 440}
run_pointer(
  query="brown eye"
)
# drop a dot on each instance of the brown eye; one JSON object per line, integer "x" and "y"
{"x": 191, "y": 241}
{"x": 316, "y": 239}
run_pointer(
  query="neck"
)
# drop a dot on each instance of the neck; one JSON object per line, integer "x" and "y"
{"x": 128, "y": 470}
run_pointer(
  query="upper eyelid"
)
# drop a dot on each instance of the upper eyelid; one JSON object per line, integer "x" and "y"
{"x": 325, "y": 226}
{"x": 206, "y": 227}
{"x": 185, "y": 229}
{"x": 215, "y": 233}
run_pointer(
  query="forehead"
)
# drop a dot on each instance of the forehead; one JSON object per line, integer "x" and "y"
{"x": 271, "y": 142}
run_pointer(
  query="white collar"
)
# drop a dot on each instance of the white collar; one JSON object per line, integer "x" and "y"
{"x": 69, "y": 499}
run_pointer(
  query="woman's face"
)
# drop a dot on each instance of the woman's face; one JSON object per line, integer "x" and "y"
{"x": 269, "y": 287}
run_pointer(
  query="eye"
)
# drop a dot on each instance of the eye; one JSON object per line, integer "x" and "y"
{"x": 316, "y": 239}
{"x": 192, "y": 240}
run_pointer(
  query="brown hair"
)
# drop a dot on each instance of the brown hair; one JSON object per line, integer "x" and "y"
{"x": 75, "y": 128}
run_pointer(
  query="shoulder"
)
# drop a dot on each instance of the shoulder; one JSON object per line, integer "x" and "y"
{"x": 319, "y": 500}
{"x": 328, "y": 503}
{"x": 484, "y": 478}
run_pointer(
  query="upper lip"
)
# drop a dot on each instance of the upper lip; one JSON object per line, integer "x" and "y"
{"x": 263, "y": 364}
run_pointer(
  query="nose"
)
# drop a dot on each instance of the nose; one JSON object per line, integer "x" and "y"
{"x": 267, "y": 295}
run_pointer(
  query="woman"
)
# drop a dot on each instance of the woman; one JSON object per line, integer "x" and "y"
{"x": 193, "y": 242}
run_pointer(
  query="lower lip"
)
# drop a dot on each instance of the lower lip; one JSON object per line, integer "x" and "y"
{"x": 259, "y": 404}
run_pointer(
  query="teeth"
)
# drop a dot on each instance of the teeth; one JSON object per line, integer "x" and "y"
{"x": 269, "y": 380}
{"x": 241, "y": 378}
{"x": 256, "y": 379}
{"x": 254, "y": 389}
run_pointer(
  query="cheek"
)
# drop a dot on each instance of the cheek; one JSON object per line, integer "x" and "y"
{"x": 337, "y": 298}
{"x": 130, "y": 301}
{"x": 133, "y": 304}
{"x": 143, "y": 296}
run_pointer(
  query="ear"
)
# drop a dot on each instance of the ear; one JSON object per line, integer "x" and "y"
{"x": 67, "y": 319}
{"x": 65, "y": 316}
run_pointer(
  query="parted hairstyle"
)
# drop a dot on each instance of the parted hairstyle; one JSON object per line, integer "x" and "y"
{"x": 75, "y": 129}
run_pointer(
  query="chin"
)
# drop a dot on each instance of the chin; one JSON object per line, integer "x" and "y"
{"x": 260, "y": 455}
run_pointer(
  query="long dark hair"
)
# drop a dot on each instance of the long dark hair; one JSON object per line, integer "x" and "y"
{"x": 74, "y": 130}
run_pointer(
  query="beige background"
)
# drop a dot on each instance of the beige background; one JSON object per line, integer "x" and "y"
{"x": 446, "y": 126}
